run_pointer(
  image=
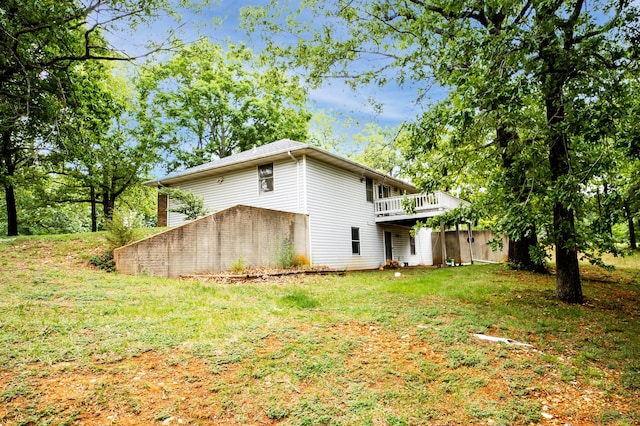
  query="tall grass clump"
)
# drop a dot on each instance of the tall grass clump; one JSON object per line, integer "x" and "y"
{"x": 286, "y": 254}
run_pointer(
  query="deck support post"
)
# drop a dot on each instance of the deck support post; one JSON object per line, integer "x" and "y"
{"x": 443, "y": 244}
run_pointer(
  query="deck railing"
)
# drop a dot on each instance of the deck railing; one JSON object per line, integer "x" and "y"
{"x": 415, "y": 203}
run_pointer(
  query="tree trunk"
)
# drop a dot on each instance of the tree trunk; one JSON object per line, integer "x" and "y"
{"x": 568, "y": 285}
{"x": 520, "y": 253}
{"x": 519, "y": 245}
{"x": 12, "y": 212}
{"x": 9, "y": 193}
{"x": 607, "y": 218}
{"x": 94, "y": 213}
{"x": 632, "y": 231}
{"x": 107, "y": 206}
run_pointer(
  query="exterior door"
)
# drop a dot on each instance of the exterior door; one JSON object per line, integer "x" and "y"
{"x": 388, "y": 246}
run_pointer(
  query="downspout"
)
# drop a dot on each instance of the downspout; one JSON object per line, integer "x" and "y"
{"x": 303, "y": 194}
{"x": 470, "y": 238}
{"x": 297, "y": 180}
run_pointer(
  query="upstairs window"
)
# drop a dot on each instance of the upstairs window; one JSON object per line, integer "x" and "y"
{"x": 265, "y": 177}
{"x": 355, "y": 240}
{"x": 384, "y": 191}
{"x": 369, "y": 189}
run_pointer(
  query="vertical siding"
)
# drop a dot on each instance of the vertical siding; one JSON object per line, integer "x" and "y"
{"x": 336, "y": 202}
{"x": 241, "y": 187}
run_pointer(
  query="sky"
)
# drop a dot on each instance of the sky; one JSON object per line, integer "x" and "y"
{"x": 221, "y": 24}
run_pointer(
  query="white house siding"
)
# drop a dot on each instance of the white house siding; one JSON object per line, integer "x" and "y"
{"x": 337, "y": 202}
{"x": 241, "y": 187}
{"x": 424, "y": 253}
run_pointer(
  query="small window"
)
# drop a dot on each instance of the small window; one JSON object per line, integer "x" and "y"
{"x": 355, "y": 240}
{"x": 265, "y": 177}
{"x": 369, "y": 189}
{"x": 412, "y": 244}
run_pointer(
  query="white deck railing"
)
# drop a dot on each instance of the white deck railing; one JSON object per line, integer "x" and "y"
{"x": 417, "y": 203}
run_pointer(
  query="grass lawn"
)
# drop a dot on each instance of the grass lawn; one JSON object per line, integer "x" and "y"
{"x": 82, "y": 346}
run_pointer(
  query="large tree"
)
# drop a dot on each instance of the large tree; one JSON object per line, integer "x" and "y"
{"x": 565, "y": 55}
{"x": 99, "y": 158}
{"x": 39, "y": 43}
{"x": 206, "y": 102}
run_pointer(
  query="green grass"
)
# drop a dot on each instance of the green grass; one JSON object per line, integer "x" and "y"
{"x": 366, "y": 348}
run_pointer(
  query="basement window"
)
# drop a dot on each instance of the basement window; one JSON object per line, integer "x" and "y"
{"x": 265, "y": 177}
{"x": 355, "y": 240}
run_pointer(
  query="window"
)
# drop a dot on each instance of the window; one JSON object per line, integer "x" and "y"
{"x": 412, "y": 244}
{"x": 355, "y": 240}
{"x": 265, "y": 177}
{"x": 384, "y": 191}
{"x": 369, "y": 189}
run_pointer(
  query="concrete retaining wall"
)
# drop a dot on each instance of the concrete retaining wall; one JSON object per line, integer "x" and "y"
{"x": 216, "y": 242}
{"x": 457, "y": 247}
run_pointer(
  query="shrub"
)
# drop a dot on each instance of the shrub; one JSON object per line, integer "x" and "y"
{"x": 120, "y": 232}
{"x": 187, "y": 203}
{"x": 286, "y": 254}
{"x": 104, "y": 261}
{"x": 238, "y": 266}
{"x": 301, "y": 261}
{"x": 120, "y": 229}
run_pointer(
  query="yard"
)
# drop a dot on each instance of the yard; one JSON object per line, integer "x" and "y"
{"x": 82, "y": 346}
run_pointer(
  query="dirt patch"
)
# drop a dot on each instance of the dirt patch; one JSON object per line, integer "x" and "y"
{"x": 177, "y": 387}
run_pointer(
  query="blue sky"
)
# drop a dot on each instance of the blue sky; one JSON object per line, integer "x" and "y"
{"x": 220, "y": 23}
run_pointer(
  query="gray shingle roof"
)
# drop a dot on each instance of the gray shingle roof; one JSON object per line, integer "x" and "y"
{"x": 280, "y": 146}
{"x": 274, "y": 149}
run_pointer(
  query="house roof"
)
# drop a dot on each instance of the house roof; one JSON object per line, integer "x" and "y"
{"x": 281, "y": 149}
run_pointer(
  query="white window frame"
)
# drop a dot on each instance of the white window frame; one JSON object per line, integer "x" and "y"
{"x": 356, "y": 246}
{"x": 265, "y": 178}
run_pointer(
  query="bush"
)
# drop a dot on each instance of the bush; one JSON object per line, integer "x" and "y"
{"x": 104, "y": 261}
{"x": 238, "y": 266}
{"x": 121, "y": 229}
{"x": 286, "y": 255}
{"x": 120, "y": 232}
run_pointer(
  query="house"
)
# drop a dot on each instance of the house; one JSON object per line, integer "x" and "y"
{"x": 356, "y": 215}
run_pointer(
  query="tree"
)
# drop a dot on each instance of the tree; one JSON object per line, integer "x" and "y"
{"x": 97, "y": 157}
{"x": 381, "y": 148}
{"x": 205, "y": 102}
{"x": 566, "y": 55}
{"x": 39, "y": 42}
{"x": 187, "y": 203}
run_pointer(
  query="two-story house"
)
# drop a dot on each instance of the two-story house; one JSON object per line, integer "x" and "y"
{"x": 357, "y": 218}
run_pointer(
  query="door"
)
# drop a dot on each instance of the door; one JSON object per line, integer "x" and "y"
{"x": 388, "y": 246}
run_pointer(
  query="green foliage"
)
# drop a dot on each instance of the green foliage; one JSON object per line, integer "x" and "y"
{"x": 188, "y": 204}
{"x": 104, "y": 261}
{"x": 121, "y": 229}
{"x": 47, "y": 77}
{"x": 209, "y": 102}
{"x": 539, "y": 96}
{"x": 239, "y": 265}
{"x": 286, "y": 254}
